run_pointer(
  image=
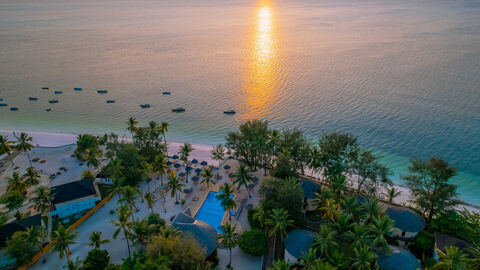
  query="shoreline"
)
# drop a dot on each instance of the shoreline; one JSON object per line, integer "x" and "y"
{"x": 201, "y": 152}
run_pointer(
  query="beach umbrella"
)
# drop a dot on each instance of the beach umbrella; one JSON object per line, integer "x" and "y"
{"x": 187, "y": 190}
{"x": 251, "y": 186}
{"x": 195, "y": 178}
{"x": 194, "y": 161}
{"x": 188, "y": 168}
{"x": 175, "y": 157}
{"x": 230, "y": 175}
{"x": 204, "y": 163}
{"x": 177, "y": 165}
{"x": 169, "y": 163}
{"x": 198, "y": 170}
{"x": 182, "y": 174}
{"x": 226, "y": 167}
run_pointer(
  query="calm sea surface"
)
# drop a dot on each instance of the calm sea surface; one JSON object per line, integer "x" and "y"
{"x": 403, "y": 76}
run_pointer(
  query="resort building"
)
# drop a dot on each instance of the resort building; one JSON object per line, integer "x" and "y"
{"x": 297, "y": 243}
{"x": 407, "y": 223}
{"x": 401, "y": 259}
{"x": 309, "y": 189}
{"x": 74, "y": 197}
{"x": 205, "y": 234}
{"x": 7, "y": 230}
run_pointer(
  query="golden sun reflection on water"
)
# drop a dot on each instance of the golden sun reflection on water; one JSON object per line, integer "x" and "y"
{"x": 262, "y": 68}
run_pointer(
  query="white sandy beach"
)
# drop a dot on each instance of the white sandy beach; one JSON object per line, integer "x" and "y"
{"x": 57, "y": 148}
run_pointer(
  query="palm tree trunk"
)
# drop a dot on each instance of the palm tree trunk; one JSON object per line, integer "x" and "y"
{"x": 249, "y": 196}
{"x": 161, "y": 179}
{"x": 128, "y": 244}
{"x": 29, "y": 160}
{"x": 230, "y": 261}
{"x": 11, "y": 159}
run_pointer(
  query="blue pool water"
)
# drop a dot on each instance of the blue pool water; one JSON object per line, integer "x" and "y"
{"x": 211, "y": 211}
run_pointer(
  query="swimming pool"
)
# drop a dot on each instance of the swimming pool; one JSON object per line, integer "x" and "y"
{"x": 211, "y": 211}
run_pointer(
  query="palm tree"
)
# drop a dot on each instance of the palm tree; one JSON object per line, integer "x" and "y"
{"x": 141, "y": 231}
{"x": 116, "y": 187}
{"x": 163, "y": 195}
{"x": 343, "y": 223}
{"x": 37, "y": 235}
{"x": 260, "y": 215}
{"x": 132, "y": 125}
{"x": 325, "y": 240}
{"x": 309, "y": 259}
{"x": 371, "y": 210}
{"x": 42, "y": 199}
{"x": 363, "y": 258}
{"x": 350, "y": 205}
{"x": 15, "y": 182}
{"x": 96, "y": 240}
{"x": 174, "y": 185}
{"x": 160, "y": 166}
{"x": 229, "y": 239}
{"x": 185, "y": 151}
{"x": 154, "y": 129}
{"x": 92, "y": 158}
{"x": 115, "y": 168}
{"x": 163, "y": 130}
{"x": 226, "y": 200}
{"x": 6, "y": 146}
{"x": 280, "y": 265}
{"x": 391, "y": 194}
{"x": 31, "y": 177}
{"x": 207, "y": 176}
{"x": 128, "y": 196}
{"x": 123, "y": 224}
{"x": 23, "y": 144}
{"x": 169, "y": 231}
{"x": 358, "y": 236}
{"x": 452, "y": 259}
{"x": 475, "y": 252}
{"x": 149, "y": 198}
{"x": 330, "y": 210}
{"x": 243, "y": 178}
{"x": 62, "y": 239}
{"x": 278, "y": 223}
{"x": 74, "y": 265}
{"x": 147, "y": 170}
{"x": 381, "y": 229}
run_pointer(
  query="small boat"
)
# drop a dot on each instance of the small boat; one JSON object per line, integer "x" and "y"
{"x": 53, "y": 101}
{"x": 110, "y": 101}
{"x": 144, "y": 106}
{"x": 77, "y": 89}
{"x": 48, "y": 109}
{"x": 178, "y": 110}
{"x": 45, "y": 88}
{"x": 13, "y": 109}
{"x": 166, "y": 93}
{"x": 58, "y": 92}
{"x": 102, "y": 91}
{"x": 3, "y": 105}
{"x": 1, "y": 99}
{"x": 32, "y": 98}
{"x": 229, "y": 112}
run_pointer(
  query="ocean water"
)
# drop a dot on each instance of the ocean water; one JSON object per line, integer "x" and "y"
{"x": 403, "y": 76}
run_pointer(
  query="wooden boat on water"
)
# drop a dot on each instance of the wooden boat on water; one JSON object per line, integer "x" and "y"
{"x": 166, "y": 93}
{"x": 13, "y": 109}
{"x": 110, "y": 101}
{"x": 230, "y": 112}
{"x": 53, "y": 101}
{"x": 144, "y": 106}
{"x": 77, "y": 89}
{"x": 3, "y": 104}
{"x": 102, "y": 91}
{"x": 45, "y": 88}
{"x": 1, "y": 99}
{"x": 178, "y": 110}
{"x": 58, "y": 92}
{"x": 32, "y": 98}
{"x": 48, "y": 109}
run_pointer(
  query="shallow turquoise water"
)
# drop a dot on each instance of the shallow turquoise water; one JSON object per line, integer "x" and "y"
{"x": 402, "y": 76}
